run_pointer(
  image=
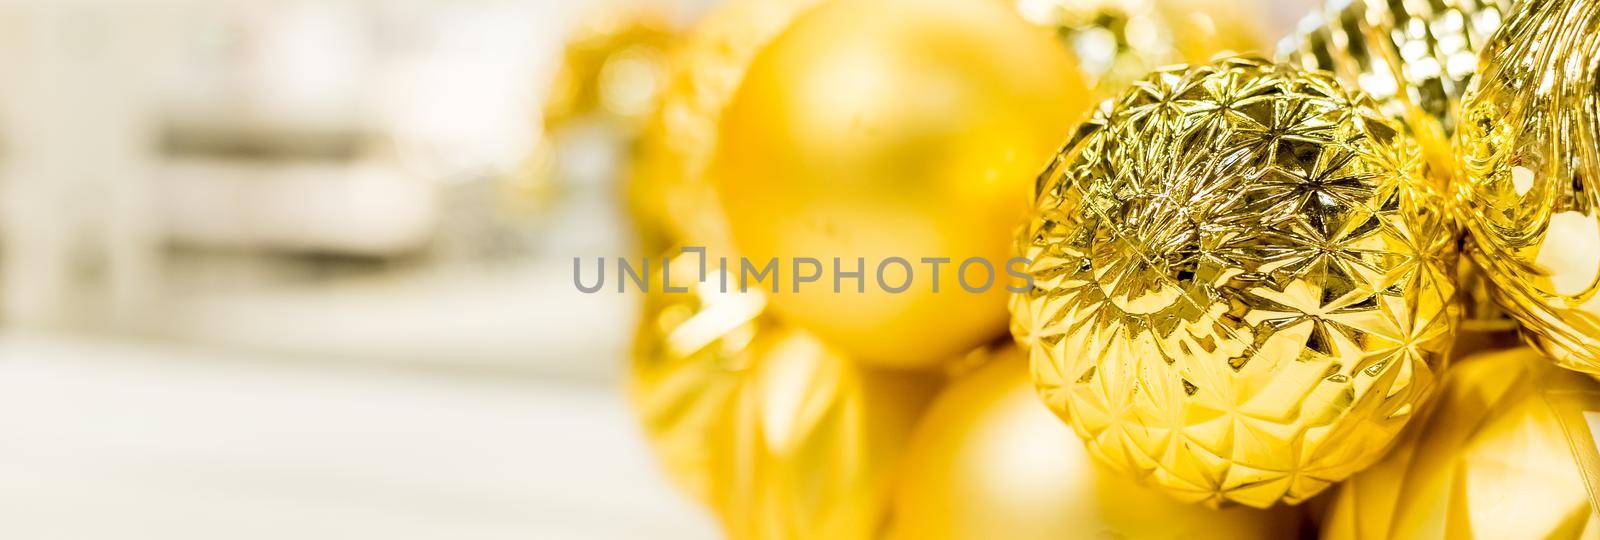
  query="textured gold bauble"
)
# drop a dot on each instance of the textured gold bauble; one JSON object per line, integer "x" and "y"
{"x": 1117, "y": 41}
{"x": 895, "y": 128}
{"x": 1415, "y": 59}
{"x": 989, "y": 461}
{"x": 780, "y": 436}
{"x": 667, "y": 189}
{"x": 1242, "y": 282}
{"x": 1529, "y": 145}
{"x": 1505, "y": 452}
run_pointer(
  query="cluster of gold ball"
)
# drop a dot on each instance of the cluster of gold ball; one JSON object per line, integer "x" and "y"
{"x": 1247, "y": 276}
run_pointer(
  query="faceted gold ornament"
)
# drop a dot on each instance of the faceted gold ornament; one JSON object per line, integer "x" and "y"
{"x": 779, "y": 435}
{"x": 1242, "y": 282}
{"x": 1415, "y": 60}
{"x": 1505, "y": 452}
{"x": 1529, "y": 146}
{"x": 989, "y": 461}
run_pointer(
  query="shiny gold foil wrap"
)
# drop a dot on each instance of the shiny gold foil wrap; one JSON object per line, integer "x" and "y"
{"x": 667, "y": 188}
{"x": 1242, "y": 282}
{"x": 989, "y": 461}
{"x": 1529, "y": 145}
{"x": 779, "y": 435}
{"x": 874, "y": 129}
{"x": 1117, "y": 41}
{"x": 1505, "y": 452}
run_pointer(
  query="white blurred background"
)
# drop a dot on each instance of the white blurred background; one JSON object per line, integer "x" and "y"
{"x": 302, "y": 269}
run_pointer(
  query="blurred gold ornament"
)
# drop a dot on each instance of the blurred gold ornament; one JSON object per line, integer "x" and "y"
{"x": 1491, "y": 458}
{"x": 667, "y": 190}
{"x": 1413, "y": 58}
{"x": 988, "y": 461}
{"x": 611, "y": 67}
{"x": 608, "y": 81}
{"x": 895, "y": 128}
{"x": 1117, "y": 41}
{"x": 1529, "y": 146}
{"x": 780, "y": 436}
{"x": 1242, "y": 282}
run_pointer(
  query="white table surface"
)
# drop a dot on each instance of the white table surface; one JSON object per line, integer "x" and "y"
{"x": 108, "y": 439}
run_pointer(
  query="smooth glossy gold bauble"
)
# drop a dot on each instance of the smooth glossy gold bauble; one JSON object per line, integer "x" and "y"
{"x": 779, "y": 435}
{"x": 667, "y": 188}
{"x": 989, "y": 461}
{"x": 899, "y": 128}
{"x": 1242, "y": 282}
{"x": 1117, "y": 41}
{"x": 1506, "y": 452}
{"x": 1529, "y": 146}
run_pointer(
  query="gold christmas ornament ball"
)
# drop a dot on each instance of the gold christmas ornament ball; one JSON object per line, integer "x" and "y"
{"x": 875, "y": 129}
{"x": 1531, "y": 164}
{"x": 611, "y": 68}
{"x": 1242, "y": 282}
{"x": 1505, "y": 452}
{"x": 779, "y": 435}
{"x": 667, "y": 187}
{"x": 1415, "y": 60}
{"x": 989, "y": 461}
{"x": 690, "y": 351}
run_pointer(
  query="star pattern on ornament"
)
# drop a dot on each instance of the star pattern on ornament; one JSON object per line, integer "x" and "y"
{"x": 1241, "y": 284}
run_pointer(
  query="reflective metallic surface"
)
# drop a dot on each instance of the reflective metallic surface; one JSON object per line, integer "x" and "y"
{"x": 1413, "y": 58}
{"x": 780, "y": 436}
{"x": 1243, "y": 282}
{"x": 1504, "y": 452}
{"x": 894, "y": 128}
{"x": 1530, "y": 153}
{"x": 990, "y": 461}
